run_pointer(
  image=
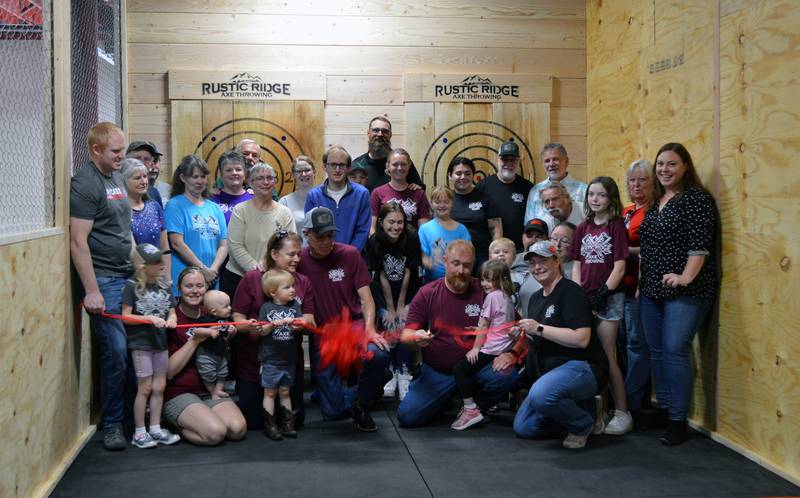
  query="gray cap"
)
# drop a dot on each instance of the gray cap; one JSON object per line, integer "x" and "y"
{"x": 149, "y": 146}
{"x": 543, "y": 248}
{"x": 509, "y": 148}
{"x": 149, "y": 253}
{"x": 320, "y": 221}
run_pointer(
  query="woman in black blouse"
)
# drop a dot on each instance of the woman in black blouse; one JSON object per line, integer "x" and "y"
{"x": 678, "y": 279}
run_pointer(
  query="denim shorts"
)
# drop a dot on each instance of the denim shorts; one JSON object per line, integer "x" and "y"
{"x": 616, "y": 304}
{"x": 273, "y": 376}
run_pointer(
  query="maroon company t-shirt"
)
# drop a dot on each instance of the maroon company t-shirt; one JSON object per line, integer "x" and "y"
{"x": 336, "y": 279}
{"x": 414, "y": 203}
{"x": 248, "y": 300}
{"x": 596, "y": 248}
{"x": 436, "y": 303}
{"x": 187, "y": 380}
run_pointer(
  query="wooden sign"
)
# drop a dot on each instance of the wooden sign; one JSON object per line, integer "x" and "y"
{"x": 245, "y": 85}
{"x": 477, "y": 88}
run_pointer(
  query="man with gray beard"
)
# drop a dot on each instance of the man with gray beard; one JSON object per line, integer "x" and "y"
{"x": 379, "y": 136}
{"x": 558, "y": 205}
{"x": 508, "y": 191}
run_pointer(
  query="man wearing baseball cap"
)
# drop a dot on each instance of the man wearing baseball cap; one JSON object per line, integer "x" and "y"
{"x": 148, "y": 154}
{"x": 535, "y": 230}
{"x": 508, "y": 191}
{"x": 341, "y": 281}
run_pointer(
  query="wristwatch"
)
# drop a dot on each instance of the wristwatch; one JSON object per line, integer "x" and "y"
{"x": 540, "y": 329}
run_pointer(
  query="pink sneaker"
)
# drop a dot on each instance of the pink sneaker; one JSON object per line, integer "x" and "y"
{"x": 467, "y": 417}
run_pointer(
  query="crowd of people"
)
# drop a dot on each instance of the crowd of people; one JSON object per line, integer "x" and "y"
{"x": 482, "y": 294}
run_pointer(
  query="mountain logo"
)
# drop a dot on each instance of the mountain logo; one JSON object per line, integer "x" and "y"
{"x": 246, "y": 78}
{"x": 477, "y": 88}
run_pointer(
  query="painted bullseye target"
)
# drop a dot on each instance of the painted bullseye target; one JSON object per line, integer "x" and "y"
{"x": 278, "y": 146}
{"x": 480, "y": 146}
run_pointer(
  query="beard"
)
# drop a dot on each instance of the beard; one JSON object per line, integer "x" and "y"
{"x": 506, "y": 175}
{"x": 558, "y": 214}
{"x": 457, "y": 282}
{"x": 379, "y": 147}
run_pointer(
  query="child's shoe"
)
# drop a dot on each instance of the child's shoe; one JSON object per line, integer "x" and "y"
{"x": 271, "y": 427}
{"x": 467, "y": 417}
{"x": 287, "y": 424}
{"x": 165, "y": 437}
{"x": 621, "y": 423}
{"x": 143, "y": 440}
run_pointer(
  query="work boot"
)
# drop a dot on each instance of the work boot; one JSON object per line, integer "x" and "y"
{"x": 271, "y": 427}
{"x": 287, "y": 424}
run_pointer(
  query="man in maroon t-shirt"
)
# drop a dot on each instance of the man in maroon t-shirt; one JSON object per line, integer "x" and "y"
{"x": 341, "y": 281}
{"x": 452, "y": 302}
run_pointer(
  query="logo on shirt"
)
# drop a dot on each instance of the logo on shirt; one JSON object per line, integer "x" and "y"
{"x": 594, "y": 248}
{"x": 517, "y": 197}
{"x": 206, "y": 226}
{"x": 551, "y": 310}
{"x": 283, "y": 333}
{"x": 409, "y": 207}
{"x": 476, "y": 206}
{"x": 394, "y": 268}
{"x": 336, "y": 275}
{"x": 115, "y": 194}
{"x": 154, "y": 302}
{"x": 472, "y": 310}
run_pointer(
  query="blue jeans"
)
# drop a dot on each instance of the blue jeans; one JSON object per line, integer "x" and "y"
{"x": 113, "y": 343}
{"x": 336, "y": 397}
{"x": 670, "y": 326}
{"x": 637, "y": 378}
{"x": 561, "y": 396}
{"x": 430, "y": 391}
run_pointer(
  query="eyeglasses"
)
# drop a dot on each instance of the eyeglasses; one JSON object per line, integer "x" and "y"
{"x": 563, "y": 241}
{"x": 337, "y": 165}
{"x": 385, "y": 131}
{"x": 267, "y": 179}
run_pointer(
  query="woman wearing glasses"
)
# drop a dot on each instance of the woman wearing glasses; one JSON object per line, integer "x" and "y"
{"x": 303, "y": 174}
{"x": 251, "y": 225}
{"x": 283, "y": 253}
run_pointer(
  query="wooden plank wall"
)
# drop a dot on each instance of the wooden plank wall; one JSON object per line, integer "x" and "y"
{"x": 364, "y": 48}
{"x": 732, "y": 101}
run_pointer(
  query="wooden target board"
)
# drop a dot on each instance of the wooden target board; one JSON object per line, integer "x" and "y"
{"x": 439, "y": 131}
{"x": 284, "y": 129}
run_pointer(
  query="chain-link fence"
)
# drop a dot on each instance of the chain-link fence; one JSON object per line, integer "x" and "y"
{"x": 26, "y": 117}
{"x": 96, "y": 70}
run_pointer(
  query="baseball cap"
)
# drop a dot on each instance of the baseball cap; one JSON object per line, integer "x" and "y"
{"x": 509, "y": 148}
{"x": 140, "y": 144}
{"x": 543, "y": 248}
{"x": 320, "y": 220}
{"x": 537, "y": 225}
{"x": 149, "y": 253}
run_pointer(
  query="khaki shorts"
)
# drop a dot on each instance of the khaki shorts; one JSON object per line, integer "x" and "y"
{"x": 174, "y": 407}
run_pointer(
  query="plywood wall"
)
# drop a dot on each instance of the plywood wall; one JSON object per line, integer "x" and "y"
{"x": 44, "y": 406}
{"x": 364, "y": 48}
{"x": 732, "y": 100}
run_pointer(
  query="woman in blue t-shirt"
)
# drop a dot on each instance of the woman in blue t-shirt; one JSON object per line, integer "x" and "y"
{"x": 196, "y": 226}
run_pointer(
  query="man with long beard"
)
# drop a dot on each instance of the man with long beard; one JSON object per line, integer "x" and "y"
{"x": 379, "y": 141}
{"x": 508, "y": 191}
{"x": 440, "y": 310}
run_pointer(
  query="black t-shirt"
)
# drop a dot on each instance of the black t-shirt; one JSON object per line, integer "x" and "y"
{"x": 279, "y": 348}
{"x": 153, "y": 301}
{"x": 474, "y": 210}
{"x": 214, "y": 345}
{"x": 392, "y": 260}
{"x": 104, "y": 200}
{"x": 567, "y": 306}
{"x": 510, "y": 200}
{"x": 376, "y": 172}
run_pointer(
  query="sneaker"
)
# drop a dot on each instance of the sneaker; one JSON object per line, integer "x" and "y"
{"x": 467, "y": 417}
{"x": 390, "y": 389}
{"x": 403, "y": 382}
{"x": 143, "y": 441}
{"x": 599, "y": 416}
{"x": 574, "y": 441}
{"x": 621, "y": 423}
{"x": 165, "y": 437}
{"x": 113, "y": 438}
{"x": 362, "y": 418}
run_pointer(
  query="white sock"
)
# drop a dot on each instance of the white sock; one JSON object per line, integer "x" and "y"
{"x": 155, "y": 429}
{"x": 139, "y": 432}
{"x": 470, "y": 406}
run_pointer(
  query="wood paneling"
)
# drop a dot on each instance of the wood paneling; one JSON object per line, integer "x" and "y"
{"x": 637, "y": 101}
